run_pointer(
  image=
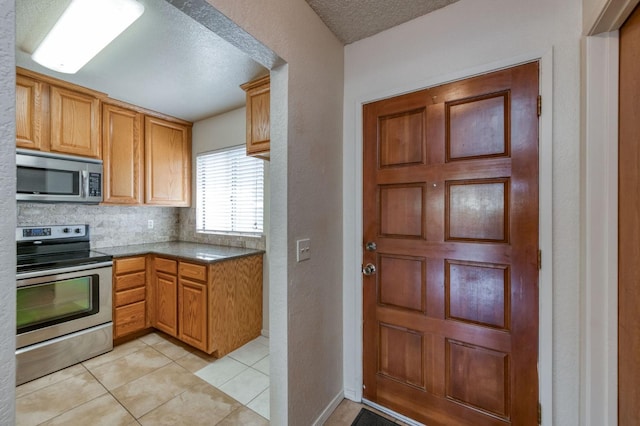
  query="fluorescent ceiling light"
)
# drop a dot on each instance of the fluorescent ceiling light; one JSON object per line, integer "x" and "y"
{"x": 84, "y": 29}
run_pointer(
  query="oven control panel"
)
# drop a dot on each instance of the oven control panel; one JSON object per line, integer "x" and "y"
{"x": 30, "y": 233}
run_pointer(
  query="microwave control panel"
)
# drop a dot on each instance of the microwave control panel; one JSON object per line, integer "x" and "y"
{"x": 95, "y": 185}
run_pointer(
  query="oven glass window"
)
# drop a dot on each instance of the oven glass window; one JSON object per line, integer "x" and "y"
{"x": 31, "y": 180}
{"x": 51, "y": 303}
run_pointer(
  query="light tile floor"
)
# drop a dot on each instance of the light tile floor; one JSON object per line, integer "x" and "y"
{"x": 157, "y": 380}
{"x": 153, "y": 380}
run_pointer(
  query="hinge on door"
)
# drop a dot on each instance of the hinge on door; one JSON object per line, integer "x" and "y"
{"x": 539, "y": 414}
{"x": 539, "y": 105}
{"x": 539, "y": 259}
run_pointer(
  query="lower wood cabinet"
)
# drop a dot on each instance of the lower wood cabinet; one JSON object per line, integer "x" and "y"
{"x": 129, "y": 295}
{"x": 192, "y": 307}
{"x": 235, "y": 303}
{"x": 215, "y": 307}
{"x": 166, "y": 295}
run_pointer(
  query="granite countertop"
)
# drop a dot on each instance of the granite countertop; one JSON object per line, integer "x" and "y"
{"x": 206, "y": 253}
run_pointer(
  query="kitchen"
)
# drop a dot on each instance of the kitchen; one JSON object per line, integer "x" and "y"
{"x": 129, "y": 230}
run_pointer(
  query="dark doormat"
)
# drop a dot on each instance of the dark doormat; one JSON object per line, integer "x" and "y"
{"x": 369, "y": 418}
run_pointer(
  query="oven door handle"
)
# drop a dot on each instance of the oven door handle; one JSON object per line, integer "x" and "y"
{"x": 59, "y": 271}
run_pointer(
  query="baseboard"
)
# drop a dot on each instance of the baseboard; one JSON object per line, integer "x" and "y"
{"x": 352, "y": 395}
{"x": 265, "y": 333}
{"x": 329, "y": 410}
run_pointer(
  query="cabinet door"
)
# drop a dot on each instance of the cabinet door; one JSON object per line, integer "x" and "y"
{"x": 122, "y": 154}
{"x": 31, "y": 123}
{"x": 75, "y": 123}
{"x": 167, "y": 163}
{"x": 258, "y": 124}
{"x": 166, "y": 307}
{"x": 193, "y": 313}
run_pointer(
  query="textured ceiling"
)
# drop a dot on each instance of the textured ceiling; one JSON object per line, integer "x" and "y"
{"x": 168, "y": 62}
{"x": 353, "y": 20}
{"x": 165, "y": 61}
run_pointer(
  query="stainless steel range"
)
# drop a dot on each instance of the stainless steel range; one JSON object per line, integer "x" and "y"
{"x": 63, "y": 300}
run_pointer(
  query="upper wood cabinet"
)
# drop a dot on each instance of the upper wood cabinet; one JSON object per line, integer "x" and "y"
{"x": 75, "y": 123}
{"x": 31, "y": 120}
{"x": 258, "y": 127}
{"x": 53, "y": 115}
{"x": 146, "y": 155}
{"x": 122, "y": 153}
{"x": 167, "y": 148}
{"x": 133, "y": 174}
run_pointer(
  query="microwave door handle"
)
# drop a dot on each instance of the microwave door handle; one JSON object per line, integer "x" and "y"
{"x": 83, "y": 185}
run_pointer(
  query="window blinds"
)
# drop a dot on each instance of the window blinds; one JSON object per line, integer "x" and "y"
{"x": 230, "y": 192}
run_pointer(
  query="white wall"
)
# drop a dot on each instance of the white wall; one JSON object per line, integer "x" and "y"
{"x": 7, "y": 213}
{"x": 462, "y": 39}
{"x": 223, "y": 131}
{"x": 306, "y": 201}
{"x": 220, "y": 131}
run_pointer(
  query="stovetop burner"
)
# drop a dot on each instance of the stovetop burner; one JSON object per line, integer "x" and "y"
{"x": 54, "y": 247}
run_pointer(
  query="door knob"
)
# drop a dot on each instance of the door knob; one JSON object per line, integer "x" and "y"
{"x": 369, "y": 269}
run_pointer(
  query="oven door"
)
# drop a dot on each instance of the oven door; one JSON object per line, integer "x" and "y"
{"x": 57, "y": 302}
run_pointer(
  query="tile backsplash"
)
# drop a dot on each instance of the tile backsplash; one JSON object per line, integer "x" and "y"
{"x": 188, "y": 233}
{"x": 124, "y": 225}
{"x": 109, "y": 225}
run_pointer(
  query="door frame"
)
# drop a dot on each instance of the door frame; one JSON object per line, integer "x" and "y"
{"x": 352, "y": 226}
{"x": 599, "y": 272}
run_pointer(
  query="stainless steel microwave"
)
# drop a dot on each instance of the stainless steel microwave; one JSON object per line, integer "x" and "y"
{"x": 48, "y": 177}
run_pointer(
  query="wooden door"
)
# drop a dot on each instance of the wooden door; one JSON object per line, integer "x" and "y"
{"x": 629, "y": 224}
{"x": 32, "y": 123}
{"x": 75, "y": 123}
{"x": 192, "y": 299}
{"x": 451, "y": 203}
{"x": 122, "y": 154}
{"x": 167, "y": 163}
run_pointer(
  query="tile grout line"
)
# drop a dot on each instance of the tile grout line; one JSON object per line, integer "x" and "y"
{"x": 110, "y": 391}
{"x": 86, "y": 369}
{"x": 113, "y": 396}
{"x": 85, "y": 402}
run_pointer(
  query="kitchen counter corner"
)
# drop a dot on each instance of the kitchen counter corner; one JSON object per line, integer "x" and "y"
{"x": 205, "y": 253}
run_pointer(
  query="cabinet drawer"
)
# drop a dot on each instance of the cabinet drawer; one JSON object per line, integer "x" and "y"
{"x": 125, "y": 282}
{"x": 193, "y": 271}
{"x": 129, "y": 296}
{"x": 131, "y": 264}
{"x": 129, "y": 318}
{"x": 166, "y": 265}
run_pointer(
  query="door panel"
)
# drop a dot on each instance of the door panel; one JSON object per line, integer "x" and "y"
{"x": 450, "y": 186}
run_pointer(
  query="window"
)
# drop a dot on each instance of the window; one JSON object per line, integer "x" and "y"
{"x": 230, "y": 192}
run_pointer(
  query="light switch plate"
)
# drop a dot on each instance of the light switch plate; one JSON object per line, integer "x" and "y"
{"x": 303, "y": 249}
